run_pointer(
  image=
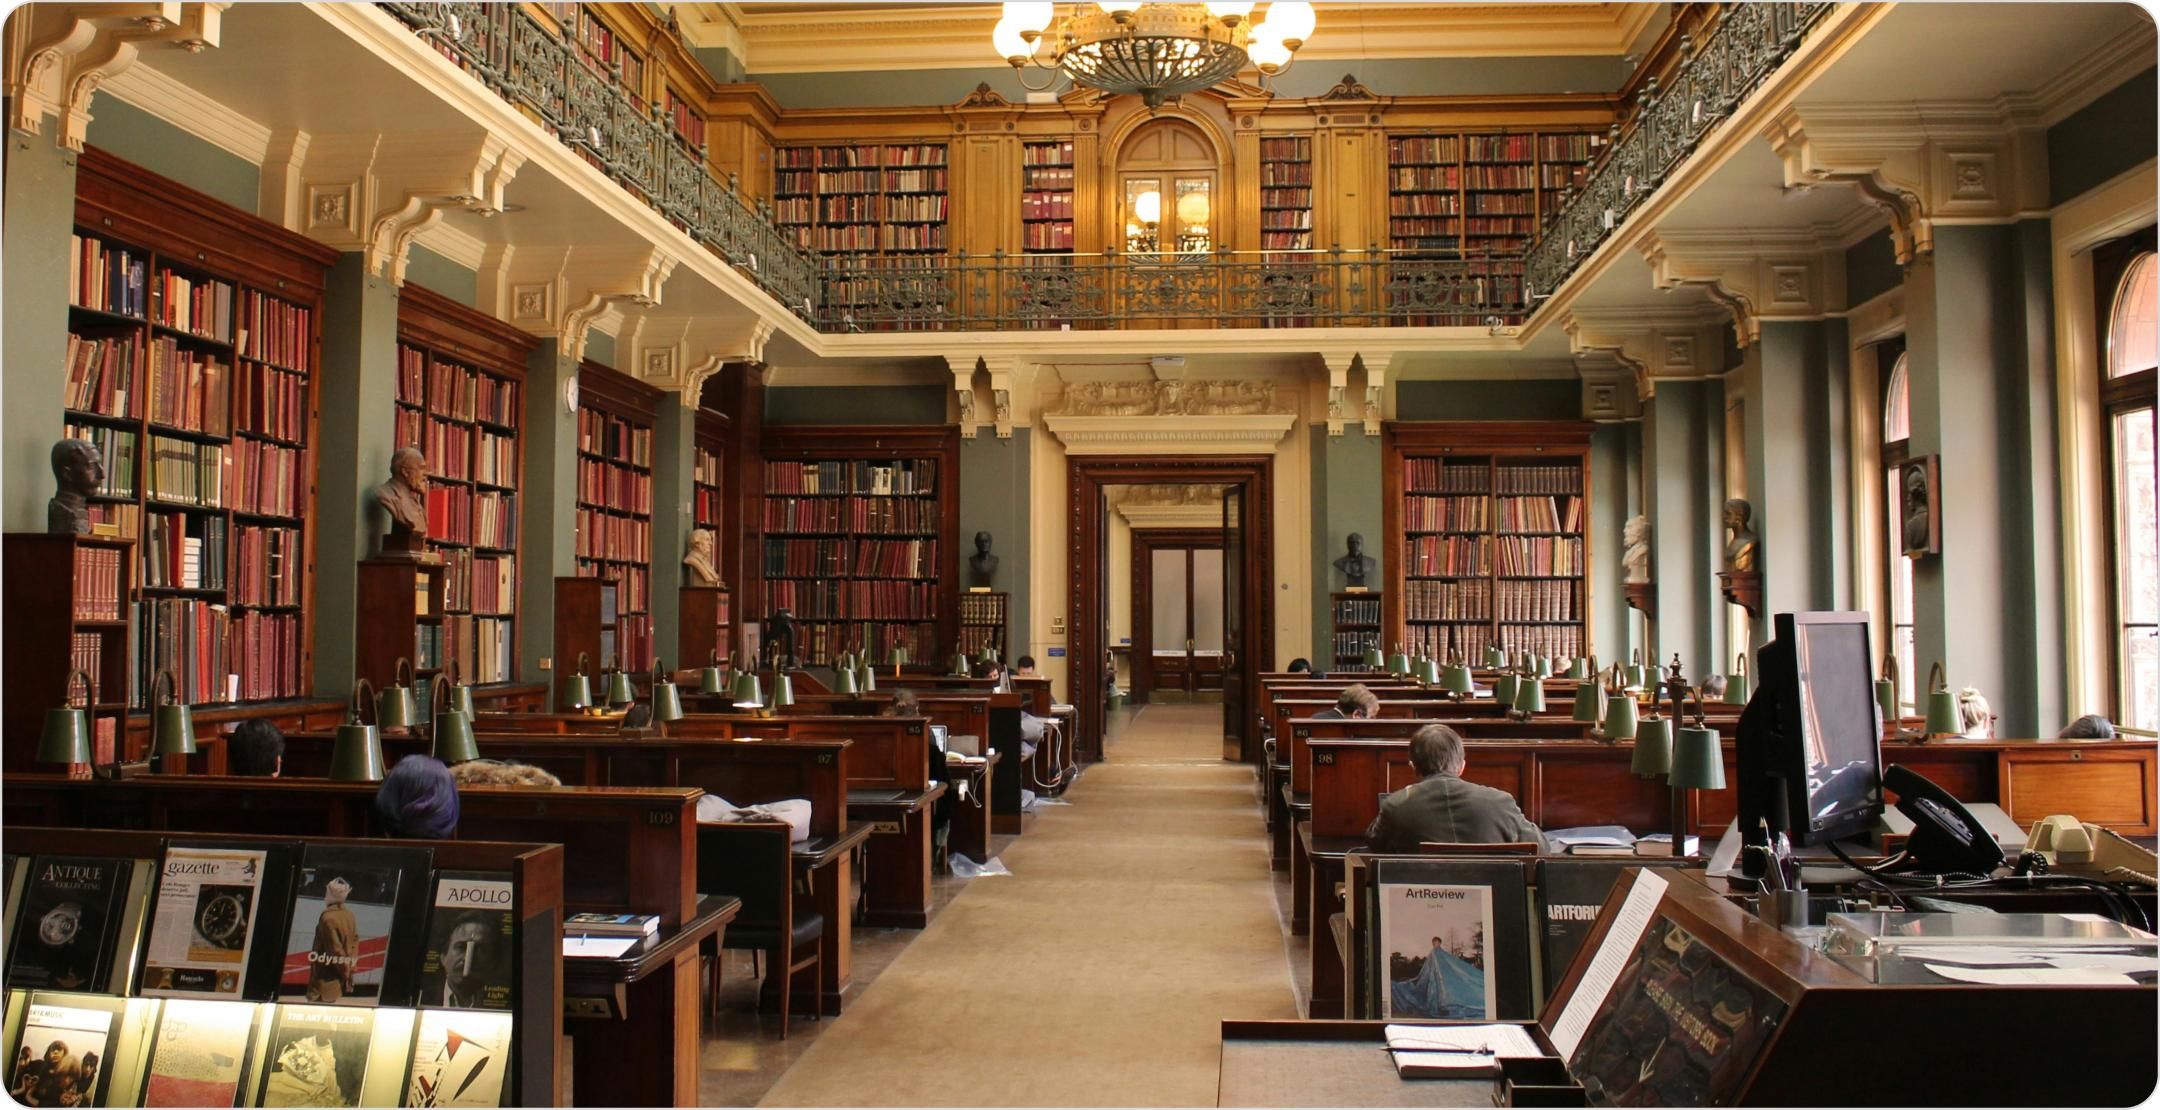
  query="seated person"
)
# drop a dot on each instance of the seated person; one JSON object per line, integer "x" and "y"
{"x": 1713, "y": 686}
{"x": 1025, "y": 667}
{"x": 255, "y": 748}
{"x": 2091, "y": 726}
{"x": 1441, "y": 808}
{"x": 418, "y": 800}
{"x": 995, "y": 672}
{"x": 501, "y": 772}
{"x": 1355, "y": 703}
{"x": 904, "y": 704}
{"x": 1301, "y": 665}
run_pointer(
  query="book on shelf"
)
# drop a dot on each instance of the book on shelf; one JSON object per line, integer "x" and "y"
{"x": 78, "y": 922}
{"x": 318, "y": 1056}
{"x": 108, "y": 278}
{"x": 218, "y": 921}
{"x": 356, "y": 918}
{"x": 459, "y": 1059}
{"x": 275, "y": 331}
{"x": 101, "y": 374}
{"x": 198, "y": 306}
{"x": 199, "y": 1053}
{"x": 471, "y": 932}
{"x": 60, "y": 1033}
{"x": 97, "y": 583}
{"x": 612, "y": 924}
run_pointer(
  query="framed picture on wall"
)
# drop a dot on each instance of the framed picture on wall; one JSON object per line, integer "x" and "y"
{"x": 1919, "y": 520}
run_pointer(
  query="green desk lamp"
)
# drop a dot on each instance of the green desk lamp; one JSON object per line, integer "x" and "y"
{"x": 1619, "y": 714}
{"x": 1888, "y": 696}
{"x": 845, "y": 662}
{"x": 1736, "y": 683}
{"x": 666, "y": 699}
{"x": 1580, "y": 668}
{"x": 710, "y": 679}
{"x": 1653, "y": 747}
{"x": 1398, "y": 663}
{"x": 1504, "y": 688}
{"x": 1494, "y": 657}
{"x": 897, "y": 660}
{"x": 1529, "y": 696}
{"x": 1429, "y": 671}
{"x": 620, "y": 692}
{"x": 172, "y": 725}
{"x": 394, "y": 708}
{"x": 66, "y": 737}
{"x": 844, "y": 679}
{"x": 748, "y": 694}
{"x": 1698, "y": 763}
{"x": 1372, "y": 659}
{"x": 1457, "y": 679}
{"x": 1638, "y": 675}
{"x": 451, "y": 734}
{"x": 1942, "y": 707}
{"x": 959, "y": 666}
{"x": 866, "y": 676}
{"x": 1589, "y": 700}
{"x": 356, "y": 755}
{"x": 783, "y": 687}
{"x": 577, "y": 688}
{"x": 461, "y": 695}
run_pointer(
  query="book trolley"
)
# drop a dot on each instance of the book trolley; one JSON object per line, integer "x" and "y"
{"x": 204, "y": 969}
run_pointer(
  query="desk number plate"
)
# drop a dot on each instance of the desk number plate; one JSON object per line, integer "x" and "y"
{"x": 878, "y": 828}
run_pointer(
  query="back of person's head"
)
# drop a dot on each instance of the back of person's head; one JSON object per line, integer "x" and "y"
{"x": 497, "y": 772}
{"x": 1301, "y": 665}
{"x": 988, "y": 670}
{"x": 1437, "y": 750}
{"x": 1025, "y": 664}
{"x": 255, "y": 748}
{"x": 418, "y": 800}
{"x": 1357, "y": 701}
{"x": 2091, "y": 726}
{"x": 1713, "y": 686}
{"x": 905, "y": 704}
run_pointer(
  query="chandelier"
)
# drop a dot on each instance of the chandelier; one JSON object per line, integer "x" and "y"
{"x": 1152, "y": 50}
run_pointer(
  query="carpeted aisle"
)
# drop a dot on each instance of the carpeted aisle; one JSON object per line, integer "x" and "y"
{"x": 1135, "y": 919}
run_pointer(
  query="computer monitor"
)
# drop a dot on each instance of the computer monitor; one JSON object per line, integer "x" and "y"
{"x": 1809, "y": 749}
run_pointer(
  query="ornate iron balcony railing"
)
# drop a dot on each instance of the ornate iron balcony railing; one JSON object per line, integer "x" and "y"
{"x": 542, "y": 70}
{"x": 1745, "y": 44}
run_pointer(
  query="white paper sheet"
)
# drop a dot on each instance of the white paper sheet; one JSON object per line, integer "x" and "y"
{"x": 1627, "y": 929}
{"x": 1500, "y": 1040}
{"x": 2034, "y": 976}
{"x": 607, "y": 948}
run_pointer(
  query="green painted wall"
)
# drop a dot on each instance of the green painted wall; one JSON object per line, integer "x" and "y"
{"x": 1385, "y": 76}
{"x": 1539, "y": 399}
{"x": 123, "y": 129}
{"x": 359, "y": 401}
{"x": 857, "y": 404}
{"x": 1795, "y": 381}
{"x": 996, "y": 497}
{"x": 2104, "y": 138}
{"x": 1346, "y": 482}
{"x": 600, "y": 347}
{"x": 437, "y": 274}
{"x": 719, "y": 61}
{"x": 1611, "y": 621}
{"x": 34, "y": 253}
{"x": 1683, "y": 434}
{"x": 547, "y": 506}
{"x": 1871, "y": 268}
{"x": 674, "y": 437}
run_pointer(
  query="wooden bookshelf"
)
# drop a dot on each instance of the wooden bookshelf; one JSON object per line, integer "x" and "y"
{"x": 1286, "y": 193}
{"x": 194, "y": 338}
{"x": 984, "y": 616}
{"x": 859, "y": 526}
{"x": 614, "y": 507}
{"x": 1479, "y": 197}
{"x": 1488, "y": 525}
{"x": 404, "y": 604}
{"x": 461, "y": 383}
{"x": 1356, "y": 617}
{"x": 685, "y": 120}
{"x": 587, "y": 616}
{"x": 71, "y": 593}
{"x": 1047, "y": 180}
{"x": 860, "y": 200}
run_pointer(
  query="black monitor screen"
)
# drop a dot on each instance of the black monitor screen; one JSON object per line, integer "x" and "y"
{"x": 1839, "y": 734}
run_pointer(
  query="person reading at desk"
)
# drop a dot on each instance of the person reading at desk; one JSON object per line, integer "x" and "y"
{"x": 1355, "y": 703}
{"x": 1442, "y": 808}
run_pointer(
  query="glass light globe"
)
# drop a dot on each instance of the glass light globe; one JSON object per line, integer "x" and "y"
{"x": 1010, "y": 46}
{"x": 1293, "y": 21}
{"x": 1267, "y": 52}
{"x": 1029, "y": 17}
{"x": 1232, "y": 13}
{"x": 1192, "y": 209}
{"x": 1148, "y": 207}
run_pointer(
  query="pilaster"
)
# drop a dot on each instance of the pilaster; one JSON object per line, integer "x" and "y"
{"x": 354, "y": 443}
{"x": 547, "y": 539}
{"x": 674, "y": 438}
{"x": 40, "y": 194}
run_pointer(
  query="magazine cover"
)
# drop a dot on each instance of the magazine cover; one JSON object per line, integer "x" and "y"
{"x": 63, "y": 1058}
{"x": 459, "y": 1059}
{"x": 203, "y": 925}
{"x": 344, "y": 921}
{"x": 1435, "y": 939}
{"x": 1570, "y": 893}
{"x": 1680, "y": 1028}
{"x": 318, "y": 1056}
{"x": 71, "y": 915}
{"x": 472, "y": 927}
{"x": 199, "y": 1054}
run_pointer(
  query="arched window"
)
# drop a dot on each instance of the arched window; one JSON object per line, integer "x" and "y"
{"x": 1898, "y": 574}
{"x": 2133, "y": 352}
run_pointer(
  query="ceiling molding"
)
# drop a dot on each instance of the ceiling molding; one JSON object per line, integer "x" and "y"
{"x": 886, "y": 37}
{"x": 454, "y": 243}
{"x": 2098, "y": 73}
{"x": 1174, "y": 435}
{"x": 144, "y": 87}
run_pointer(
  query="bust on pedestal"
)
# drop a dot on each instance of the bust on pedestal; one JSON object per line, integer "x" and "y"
{"x": 1740, "y": 580}
{"x": 404, "y": 499}
{"x": 982, "y": 566}
{"x": 699, "y": 561}
{"x": 79, "y": 470}
{"x": 1355, "y": 565}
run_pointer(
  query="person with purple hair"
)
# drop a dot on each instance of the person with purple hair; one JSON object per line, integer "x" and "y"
{"x": 418, "y": 800}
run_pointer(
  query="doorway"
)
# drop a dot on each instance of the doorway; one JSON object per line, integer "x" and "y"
{"x": 1245, "y": 534}
{"x": 1177, "y": 613}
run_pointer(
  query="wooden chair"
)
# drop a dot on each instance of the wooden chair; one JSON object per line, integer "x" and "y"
{"x": 1510, "y": 848}
{"x": 752, "y": 861}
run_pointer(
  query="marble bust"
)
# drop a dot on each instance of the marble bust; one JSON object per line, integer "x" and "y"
{"x": 1635, "y": 560}
{"x": 698, "y": 563}
{"x": 982, "y": 566}
{"x": 78, "y": 470}
{"x": 1740, "y": 548}
{"x": 404, "y": 499}
{"x": 1355, "y": 565}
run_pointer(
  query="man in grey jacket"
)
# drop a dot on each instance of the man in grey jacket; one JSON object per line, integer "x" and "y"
{"x": 1442, "y": 808}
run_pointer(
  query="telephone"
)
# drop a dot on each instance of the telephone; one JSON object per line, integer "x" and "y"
{"x": 2073, "y": 847}
{"x": 1945, "y": 836}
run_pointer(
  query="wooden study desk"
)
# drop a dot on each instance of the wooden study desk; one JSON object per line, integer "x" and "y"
{"x": 896, "y": 858}
{"x": 617, "y": 1007}
{"x": 970, "y": 832}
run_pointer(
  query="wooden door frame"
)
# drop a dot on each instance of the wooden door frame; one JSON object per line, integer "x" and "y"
{"x": 1141, "y": 544}
{"x": 1087, "y": 528}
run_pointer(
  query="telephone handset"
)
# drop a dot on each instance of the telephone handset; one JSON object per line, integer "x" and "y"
{"x": 1945, "y": 836}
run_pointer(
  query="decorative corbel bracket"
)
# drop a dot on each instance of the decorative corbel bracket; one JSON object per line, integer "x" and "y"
{"x": 1002, "y": 369}
{"x": 963, "y": 378}
{"x": 1919, "y": 163}
{"x": 747, "y": 345}
{"x": 1754, "y": 274}
{"x": 1338, "y": 363}
{"x": 59, "y": 55}
{"x": 614, "y": 279}
{"x": 376, "y": 193}
{"x": 1376, "y": 373}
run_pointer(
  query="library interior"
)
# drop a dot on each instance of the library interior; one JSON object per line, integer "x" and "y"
{"x": 730, "y": 552}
